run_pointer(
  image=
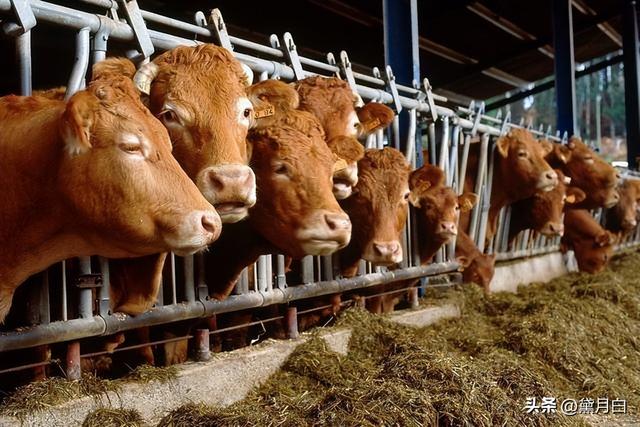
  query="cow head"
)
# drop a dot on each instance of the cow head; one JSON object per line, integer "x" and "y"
{"x": 624, "y": 216}
{"x": 479, "y": 269}
{"x": 119, "y": 176}
{"x": 547, "y": 208}
{"x": 521, "y": 162}
{"x": 594, "y": 254}
{"x": 296, "y": 209}
{"x": 438, "y": 206}
{"x": 589, "y": 172}
{"x": 199, "y": 95}
{"x": 378, "y": 208}
{"x": 333, "y": 102}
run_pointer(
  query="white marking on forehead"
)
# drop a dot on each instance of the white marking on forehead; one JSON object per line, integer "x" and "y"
{"x": 352, "y": 125}
{"x": 243, "y": 104}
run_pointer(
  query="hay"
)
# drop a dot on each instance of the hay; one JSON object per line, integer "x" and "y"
{"x": 108, "y": 417}
{"x": 148, "y": 373}
{"x": 42, "y": 395}
{"x": 572, "y": 338}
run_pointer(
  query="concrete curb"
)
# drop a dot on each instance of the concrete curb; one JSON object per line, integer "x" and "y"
{"x": 225, "y": 379}
{"x": 542, "y": 268}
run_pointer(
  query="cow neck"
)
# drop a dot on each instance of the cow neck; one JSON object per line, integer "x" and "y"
{"x": 429, "y": 244}
{"x": 35, "y": 222}
{"x": 239, "y": 246}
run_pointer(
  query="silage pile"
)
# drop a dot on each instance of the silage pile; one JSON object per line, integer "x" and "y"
{"x": 575, "y": 337}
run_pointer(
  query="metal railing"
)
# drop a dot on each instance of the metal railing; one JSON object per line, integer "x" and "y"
{"x": 83, "y": 310}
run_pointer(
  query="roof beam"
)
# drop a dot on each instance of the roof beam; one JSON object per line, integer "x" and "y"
{"x": 502, "y": 56}
{"x": 605, "y": 27}
{"x": 504, "y": 24}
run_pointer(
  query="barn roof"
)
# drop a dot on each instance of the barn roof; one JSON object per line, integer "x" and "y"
{"x": 474, "y": 49}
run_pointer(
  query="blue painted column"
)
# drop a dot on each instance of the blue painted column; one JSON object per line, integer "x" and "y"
{"x": 631, "y": 60}
{"x": 401, "y": 49}
{"x": 564, "y": 66}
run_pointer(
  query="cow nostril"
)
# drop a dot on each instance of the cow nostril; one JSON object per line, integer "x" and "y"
{"x": 551, "y": 175}
{"x": 337, "y": 222}
{"x": 217, "y": 182}
{"x": 209, "y": 223}
{"x": 395, "y": 247}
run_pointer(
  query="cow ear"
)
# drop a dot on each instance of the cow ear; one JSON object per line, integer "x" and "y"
{"x": 603, "y": 239}
{"x": 562, "y": 152}
{"x": 426, "y": 177}
{"x": 414, "y": 199}
{"x": 113, "y": 67}
{"x": 467, "y": 201}
{"x": 77, "y": 121}
{"x": 503, "y": 146}
{"x": 575, "y": 195}
{"x": 464, "y": 262}
{"x": 374, "y": 116}
{"x": 547, "y": 147}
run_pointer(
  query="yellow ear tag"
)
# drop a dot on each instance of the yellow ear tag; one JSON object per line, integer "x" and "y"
{"x": 467, "y": 205}
{"x": 372, "y": 124}
{"x": 268, "y": 111}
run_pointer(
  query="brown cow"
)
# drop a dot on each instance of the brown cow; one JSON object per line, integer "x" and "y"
{"x": 296, "y": 213}
{"x": 588, "y": 171}
{"x": 476, "y": 267}
{"x": 543, "y": 211}
{"x": 519, "y": 172}
{"x": 437, "y": 208}
{"x": 199, "y": 94}
{"x": 592, "y": 244}
{"x": 333, "y": 102}
{"x": 623, "y": 218}
{"x": 378, "y": 210}
{"x": 92, "y": 176}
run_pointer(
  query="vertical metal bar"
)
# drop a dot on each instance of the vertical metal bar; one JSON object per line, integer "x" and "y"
{"x": 202, "y": 288}
{"x": 307, "y": 269}
{"x": 45, "y": 309}
{"x": 486, "y": 202}
{"x": 65, "y": 311}
{"x": 281, "y": 278}
{"x": 362, "y": 267}
{"x": 73, "y": 369}
{"x": 413, "y": 298}
{"x": 201, "y": 339}
{"x": 564, "y": 65}
{"x": 327, "y": 267}
{"x": 262, "y": 274}
{"x": 23, "y": 55}
{"x": 269, "y": 272}
{"x": 480, "y": 186}
{"x": 103, "y": 297}
{"x": 631, "y": 60}
{"x": 81, "y": 63}
{"x": 291, "y": 320}
{"x": 85, "y": 303}
{"x": 189, "y": 279}
{"x": 379, "y": 139}
{"x": 432, "y": 143}
{"x": 174, "y": 294}
{"x": 463, "y": 163}
{"x": 444, "y": 145}
{"x": 242, "y": 286}
{"x": 453, "y": 157}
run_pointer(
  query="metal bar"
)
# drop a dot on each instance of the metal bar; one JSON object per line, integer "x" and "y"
{"x": 73, "y": 369}
{"x": 81, "y": 63}
{"x": 103, "y": 293}
{"x": 480, "y": 183}
{"x": 631, "y": 55}
{"x": 291, "y": 320}
{"x": 281, "y": 278}
{"x": 564, "y": 65}
{"x": 202, "y": 351}
{"x": 189, "y": 279}
{"x": 261, "y": 268}
{"x": 306, "y": 265}
{"x": 85, "y": 303}
{"x": 23, "y": 55}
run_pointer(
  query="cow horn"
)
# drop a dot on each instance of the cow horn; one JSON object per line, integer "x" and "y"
{"x": 144, "y": 77}
{"x": 357, "y": 99}
{"x": 567, "y": 180}
{"x": 248, "y": 74}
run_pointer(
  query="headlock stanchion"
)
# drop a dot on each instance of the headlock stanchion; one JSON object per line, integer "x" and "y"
{"x": 449, "y": 136}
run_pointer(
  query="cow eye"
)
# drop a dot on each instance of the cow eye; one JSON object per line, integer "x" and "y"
{"x": 522, "y": 154}
{"x": 406, "y": 195}
{"x": 170, "y": 117}
{"x": 281, "y": 169}
{"x": 588, "y": 160}
{"x": 131, "y": 148}
{"x": 246, "y": 113}
{"x": 457, "y": 207}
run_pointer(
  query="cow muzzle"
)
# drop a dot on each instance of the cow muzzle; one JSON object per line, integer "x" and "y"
{"x": 325, "y": 233}
{"x": 198, "y": 230}
{"x": 447, "y": 230}
{"x": 384, "y": 253}
{"x": 612, "y": 199}
{"x": 230, "y": 188}
{"x": 344, "y": 180}
{"x": 547, "y": 181}
{"x": 551, "y": 229}
{"x": 629, "y": 224}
